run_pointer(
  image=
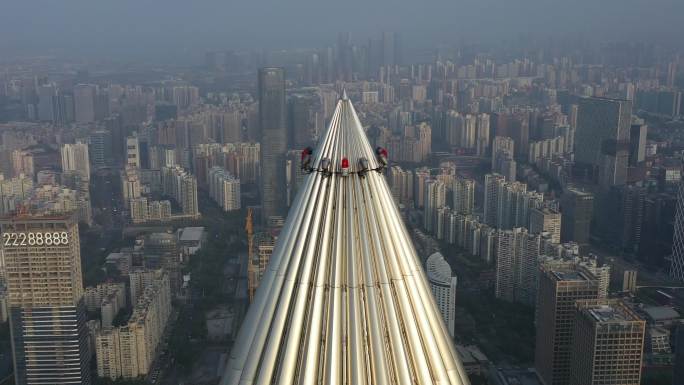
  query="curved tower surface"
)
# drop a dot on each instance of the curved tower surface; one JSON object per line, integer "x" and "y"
{"x": 344, "y": 299}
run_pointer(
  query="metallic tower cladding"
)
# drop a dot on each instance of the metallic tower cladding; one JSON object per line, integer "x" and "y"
{"x": 273, "y": 127}
{"x": 677, "y": 267}
{"x": 344, "y": 299}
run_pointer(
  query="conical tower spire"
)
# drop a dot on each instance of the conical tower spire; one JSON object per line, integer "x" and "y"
{"x": 344, "y": 299}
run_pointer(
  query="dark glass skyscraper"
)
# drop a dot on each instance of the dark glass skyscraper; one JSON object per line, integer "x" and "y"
{"x": 602, "y": 138}
{"x": 273, "y": 125}
{"x": 677, "y": 264}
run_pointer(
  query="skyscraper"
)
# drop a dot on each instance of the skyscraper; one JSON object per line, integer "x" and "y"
{"x": 559, "y": 288}
{"x": 133, "y": 151}
{"x": 47, "y": 95}
{"x": 517, "y": 251}
{"x": 435, "y": 198}
{"x": 45, "y": 300}
{"x": 464, "y": 196}
{"x": 491, "y": 201}
{"x": 507, "y": 205}
{"x": 607, "y": 346}
{"x": 273, "y": 126}
{"x": 602, "y": 138}
{"x": 75, "y": 158}
{"x": 577, "y": 207}
{"x": 637, "y": 142}
{"x": 443, "y": 285}
{"x": 677, "y": 265}
{"x": 100, "y": 148}
{"x": 546, "y": 220}
{"x": 401, "y": 183}
{"x": 343, "y": 284}
{"x": 502, "y": 146}
{"x": 84, "y": 101}
{"x": 679, "y": 355}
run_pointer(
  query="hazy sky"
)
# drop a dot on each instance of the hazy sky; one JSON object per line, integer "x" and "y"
{"x": 164, "y": 26}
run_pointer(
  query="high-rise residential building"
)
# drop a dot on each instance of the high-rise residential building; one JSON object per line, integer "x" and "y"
{"x": 453, "y": 127}
{"x": 467, "y": 131}
{"x": 185, "y": 96}
{"x": 545, "y": 220}
{"x": 608, "y": 344}
{"x": 435, "y": 198}
{"x": 273, "y": 124}
{"x": 577, "y": 208}
{"x": 75, "y": 158}
{"x": 133, "y": 151}
{"x": 243, "y": 161}
{"x": 328, "y": 310}
{"x": 131, "y": 187}
{"x": 421, "y": 175}
{"x": 491, "y": 199}
{"x": 85, "y": 96}
{"x": 401, "y": 184}
{"x": 13, "y": 191}
{"x": 224, "y": 189}
{"x": 677, "y": 263}
{"x": 503, "y": 161}
{"x": 23, "y": 163}
{"x": 45, "y": 299}
{"x": 443, "y": 285}
{"x": 182, "y": 187}
{"x": 464, "y": 196}
{"x": 128, "y": 351}
{"x": 508, "y": 204}
{"x": 602, "y": 138}
{"x": 519, "y": 127}
{"x": 139, "y": 279}
{"x": 629, "y": 281}
{"x": 483, "y": 135}
{"x": 546, "y": 149}
{"x": 517, "y": 252}
{"x": 559, "y": 289}
{"x": 94, "y": 295}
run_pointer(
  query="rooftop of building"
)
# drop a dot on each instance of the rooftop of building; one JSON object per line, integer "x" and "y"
{"x": 548, "y": 211}
{"x": 570, "y": 275}
{"x": 518, "y": 376}
{"x": 190, "y": 234}
{"x": 608, "y": 311}
{"x": 576, "y": 190}
{"x": 37, "y": 217}
{"x": 471, "y": 355}
{"x": 661, "y": 313}
{"x": 438, "y": 269}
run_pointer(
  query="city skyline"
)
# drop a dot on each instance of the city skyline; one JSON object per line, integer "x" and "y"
{"x": 464, "y": 193}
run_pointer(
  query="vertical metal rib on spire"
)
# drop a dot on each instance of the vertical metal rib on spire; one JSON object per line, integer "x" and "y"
{"x": 344, "y": 299}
